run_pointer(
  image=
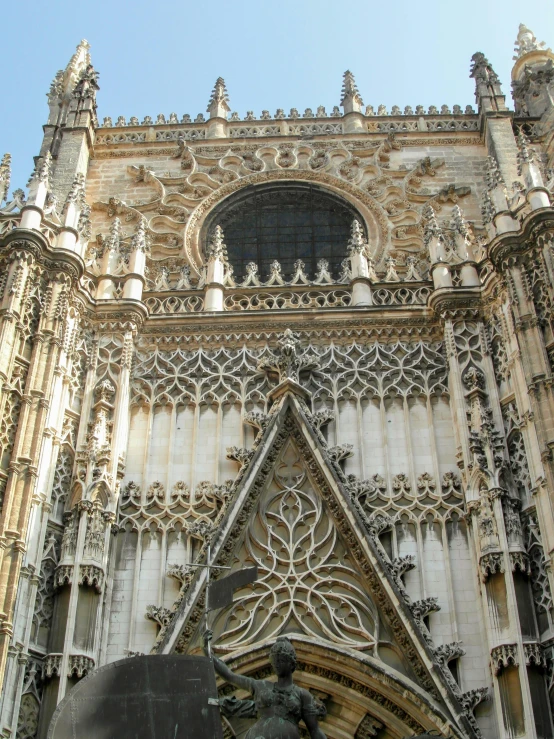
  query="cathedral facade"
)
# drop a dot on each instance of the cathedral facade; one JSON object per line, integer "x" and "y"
{"x": 321, "y": 343}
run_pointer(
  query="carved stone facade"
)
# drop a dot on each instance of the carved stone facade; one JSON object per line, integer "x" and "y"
{"x": 368, "y": 418}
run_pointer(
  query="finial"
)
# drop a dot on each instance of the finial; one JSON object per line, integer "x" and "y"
{"x": 218, "y": 107}
{"x": 431, "y": 229}
{"x": 458, "y": 223}
{"x": 351, "y": 99}
{"x": 43, "y": 170}
{"x": 481, "y": 69}
{"x": 216, "y": 248}
{"x": 79, "y": 60}
{"x": 5, "y": 176}
{"x": 112, "y": 242}
{"x": 356, "y": 244}
{"x": 526, "y": 42}
{"x": 488, "y": 93}
{"x": 138, "y": 240}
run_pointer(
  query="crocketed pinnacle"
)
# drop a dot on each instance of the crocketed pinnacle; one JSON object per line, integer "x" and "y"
{"x": 431, "y": 229}
{"x": 219, "y": 99}
{"x": 481, "y": 69}
{"x": 5, "y": 176}
{"x": 112, "y": 242}
{"x": 76, "y": 190}
{"x": 216, "y": 248}
{"x": 350, "y": 94}
{"x": 356, "y": 243}
{"x": 81, "y": 57}
{"x": 138, "y": 240}
{"x": 458, "y": 222}
{"x": 43, "y": 170}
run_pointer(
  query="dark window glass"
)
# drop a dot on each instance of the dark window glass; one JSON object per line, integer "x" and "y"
{"x": 284, "y": 223}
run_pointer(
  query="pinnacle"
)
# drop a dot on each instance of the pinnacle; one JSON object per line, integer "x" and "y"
{"x": 216, "y": 247}
{"x": 458, "y": 222}
{"x": 350, "y": 89}
{"x": 115, "y": 234}
{"x": 219, "y": 99}
{"x": 356, "y": 243}
{"x": 526, "y": 42}
{"x": 138, "y": 240}
{"x": 431, "y": 228}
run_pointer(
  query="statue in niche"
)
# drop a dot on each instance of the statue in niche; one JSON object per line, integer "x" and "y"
{"x": 281, "y": 705}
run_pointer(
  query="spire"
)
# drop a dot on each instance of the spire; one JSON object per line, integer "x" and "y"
{"x": 351, "y": 99}
{"x": 5, "y": 176}
{"x": 488, "y": 93}
{"x": 526, "y": 42}
{"x": 218, "y": 107}
{"x": 78, "y": 77}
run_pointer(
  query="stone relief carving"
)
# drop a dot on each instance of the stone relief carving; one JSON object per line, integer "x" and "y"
{"x": 207, "y": 174}
{"x": 299, "y": 554}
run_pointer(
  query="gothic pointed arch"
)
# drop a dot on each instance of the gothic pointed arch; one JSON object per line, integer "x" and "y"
{"x": 323, "y": 576}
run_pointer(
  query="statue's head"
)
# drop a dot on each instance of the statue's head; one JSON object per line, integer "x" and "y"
{"x": 282, "y": 657}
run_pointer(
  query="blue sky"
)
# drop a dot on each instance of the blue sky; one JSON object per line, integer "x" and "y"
{"x": 165, "y": 56}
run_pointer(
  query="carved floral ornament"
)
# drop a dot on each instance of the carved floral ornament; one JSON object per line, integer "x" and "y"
{"x": 389, "y": 200}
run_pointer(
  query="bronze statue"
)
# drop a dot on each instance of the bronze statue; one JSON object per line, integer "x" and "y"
{"x": 281, "y": 705}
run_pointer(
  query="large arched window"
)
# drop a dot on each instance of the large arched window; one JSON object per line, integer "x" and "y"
{"x": 283, "y": 222}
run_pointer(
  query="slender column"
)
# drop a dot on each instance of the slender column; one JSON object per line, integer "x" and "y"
{"x": 217, "y": 259}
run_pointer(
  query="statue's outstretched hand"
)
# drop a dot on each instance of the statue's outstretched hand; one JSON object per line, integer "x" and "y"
{"x": 207, "y": 637}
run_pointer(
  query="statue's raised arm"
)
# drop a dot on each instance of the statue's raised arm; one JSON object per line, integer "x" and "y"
{"x": 280, "y": 705}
